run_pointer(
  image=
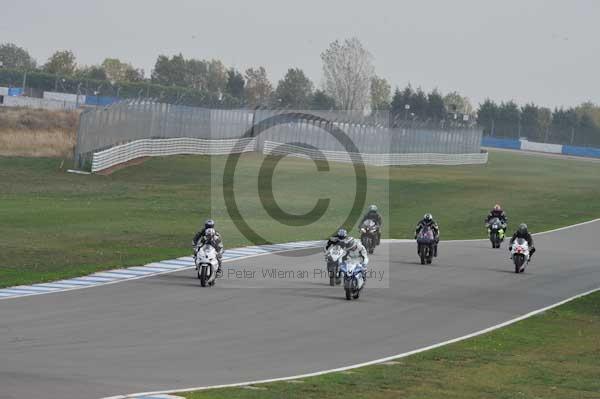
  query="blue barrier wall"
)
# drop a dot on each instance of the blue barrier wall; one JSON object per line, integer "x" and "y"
{"x": 103, "y": 101}
{"x": 15, "y": 91}
{"x": 487, "y": 141}
{"x": 581, "y": 151}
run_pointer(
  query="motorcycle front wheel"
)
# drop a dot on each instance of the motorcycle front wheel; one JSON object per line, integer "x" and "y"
{"x": 518, "y": 260}
{"x": 203, "y": 276}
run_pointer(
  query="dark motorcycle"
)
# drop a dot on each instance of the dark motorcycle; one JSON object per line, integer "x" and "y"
{"x": 368, "y": 235}
{"x": 496, "y": 231}
{"x": 426, "y": 244}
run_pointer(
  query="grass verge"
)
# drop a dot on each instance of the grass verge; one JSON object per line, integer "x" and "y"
{"x": 57, "y": 225}
{"x": 512, "y": 362}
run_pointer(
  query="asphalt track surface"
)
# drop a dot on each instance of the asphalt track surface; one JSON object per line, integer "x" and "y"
{"x": 166, "y": 332}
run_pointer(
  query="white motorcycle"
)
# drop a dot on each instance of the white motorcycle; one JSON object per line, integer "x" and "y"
{"x": 353, "y": 279}
{"x": 205, "y": 258}
{"x": 519, "y": 253}
{"x": 334, "y": 256}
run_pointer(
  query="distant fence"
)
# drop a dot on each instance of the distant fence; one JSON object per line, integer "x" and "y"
{"x": 527, "y": 145}
{"x": 512, "y": 144}
{"x": 273, "y": 148}
{"x": 131, "y": 122}
{"x": 581, "y": 151}
{"x": 14, "y": 97}
{"x": 68, "y": 97}
{"x": 33, "y": 102}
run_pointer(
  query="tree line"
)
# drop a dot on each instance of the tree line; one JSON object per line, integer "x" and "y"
{"x": 173, "y": 79}
{"x": 349, "y": 83}
{"x": 578, "y": 125}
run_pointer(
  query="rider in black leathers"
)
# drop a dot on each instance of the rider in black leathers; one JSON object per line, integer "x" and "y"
{"x": 209, "y": 224}
{"x": 340, "y": 238}
{"x": 214, "y": 240}
{"x": 428, "y": 221}
{"x": 374, "y": 215}
{"x": 523, "y": 232}
{"x": 497, "y": 212}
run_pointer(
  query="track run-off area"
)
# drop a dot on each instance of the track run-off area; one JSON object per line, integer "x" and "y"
{"x": 165, "y": 332}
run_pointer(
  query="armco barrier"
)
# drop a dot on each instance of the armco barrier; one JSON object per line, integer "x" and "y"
{"x": 527, "y": 145}
{"x": 581, "y": 151}
{"x": 164, "y": 147}
{"x": 273, "y": 148}
{"x": 487, "y": 141}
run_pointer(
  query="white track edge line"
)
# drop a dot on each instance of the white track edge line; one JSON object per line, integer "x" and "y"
{"x": 369, "y": 363}
{"x": 138, "y": 277}
{"x": 407, "y": 240}
{"x": 244, "y": 257}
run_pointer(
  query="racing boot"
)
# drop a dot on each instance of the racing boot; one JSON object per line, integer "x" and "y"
{"x": 219, "y": 269}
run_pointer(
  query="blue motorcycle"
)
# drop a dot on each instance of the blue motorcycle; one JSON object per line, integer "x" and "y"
{"x": 354, "y": 280}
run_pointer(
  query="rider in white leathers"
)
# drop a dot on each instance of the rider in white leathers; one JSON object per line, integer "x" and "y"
{"x": 356, "y": 252}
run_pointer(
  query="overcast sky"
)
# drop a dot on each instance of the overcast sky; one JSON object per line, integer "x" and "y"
{"x": 545, "y": 51}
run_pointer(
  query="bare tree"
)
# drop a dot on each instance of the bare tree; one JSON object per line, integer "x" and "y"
{"x": 348, "y": 70}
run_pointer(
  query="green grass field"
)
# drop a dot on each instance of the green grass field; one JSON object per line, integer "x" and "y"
{"x": 56, "y": 225}
{"x": 513, "y": 362}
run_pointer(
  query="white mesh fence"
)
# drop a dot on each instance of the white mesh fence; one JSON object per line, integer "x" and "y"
{"x": 124, "y": 131}
{"x": 163, "y": 147}
{"x": 273, "y": 148}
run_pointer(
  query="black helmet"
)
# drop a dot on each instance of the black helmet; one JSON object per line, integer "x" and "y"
{"x": 428, "y": 217}
{"x": 523, "y": 228}
{"x": 209, "y": 224}
{"x": 342, "y": 234}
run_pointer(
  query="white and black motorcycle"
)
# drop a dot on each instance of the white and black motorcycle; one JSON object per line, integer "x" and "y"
{"x": 368, "y": 235}
{"x": 207, "y": 263}
{"x": 334, "y": 256}
{"x": 519, "y": 253}
{"x": 352, "y": 270}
